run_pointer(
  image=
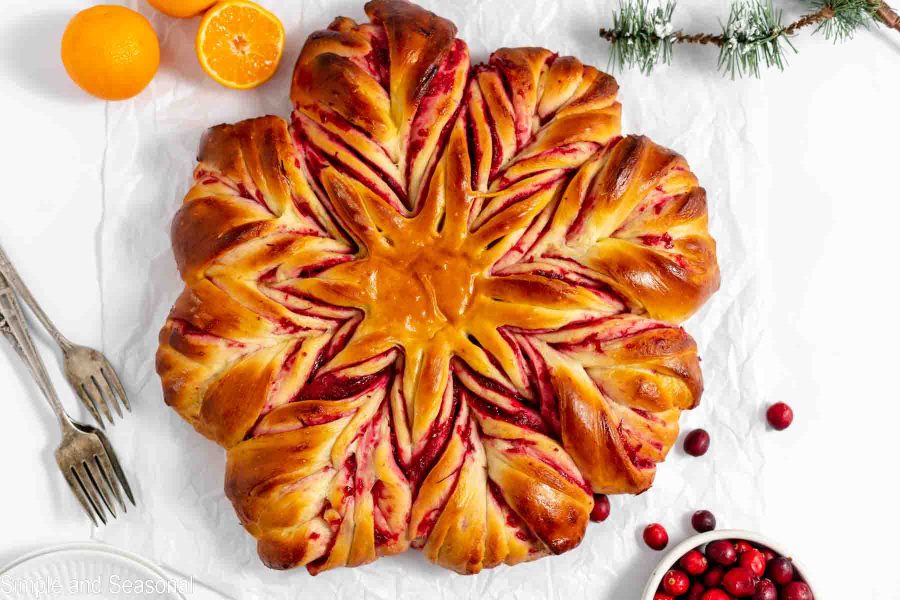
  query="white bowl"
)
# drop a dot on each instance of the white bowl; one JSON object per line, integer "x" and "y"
{"x": 672, "y": 556}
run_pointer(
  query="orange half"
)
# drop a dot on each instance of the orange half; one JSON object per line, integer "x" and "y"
{"x": 239, "y": 44}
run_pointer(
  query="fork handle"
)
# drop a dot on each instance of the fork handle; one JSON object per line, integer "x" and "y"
{"x": 12, "y": 324}
{"x": 8, "y": 271}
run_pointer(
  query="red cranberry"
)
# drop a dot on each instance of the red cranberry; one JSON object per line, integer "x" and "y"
{"x": 721, "y": 552}
{"x": 781, "y": 570}
{"x": 703, "y": 521}
{"x": 713, "y": 576}
{"x": 754, "y": 560}
{"x": 742, "y": 546}
{"x": 780, "y": 416}
{"x": 694, "y": 562}
{"x": 600, "y": 512}
{"x": 796, "y": 590}
{"x": 766, "y": 590}
{"x": 715, "y": 595}
{"x": 769, "y": 554}
{"x": 676, "y": 582}
{"x": 662, "y": 596}
{"x": 696, "y": 591}
{"x": 740, "y": 582}
{"x": 696, "y": 443}
{"x": 656, "y": 536}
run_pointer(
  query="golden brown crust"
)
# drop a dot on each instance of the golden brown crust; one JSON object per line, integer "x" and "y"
{"x": 437, "y": 308}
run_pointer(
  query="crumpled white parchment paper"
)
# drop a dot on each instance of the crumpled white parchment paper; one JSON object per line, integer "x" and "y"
{"x": 184, "y": 520}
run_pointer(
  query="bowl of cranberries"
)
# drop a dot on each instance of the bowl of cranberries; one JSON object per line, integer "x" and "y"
{"x": 721, "y": 565}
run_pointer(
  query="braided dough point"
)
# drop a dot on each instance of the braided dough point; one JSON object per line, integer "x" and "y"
{"x": 438, "y": 307}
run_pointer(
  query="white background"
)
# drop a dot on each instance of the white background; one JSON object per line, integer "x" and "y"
{"x": 803, "y": 165}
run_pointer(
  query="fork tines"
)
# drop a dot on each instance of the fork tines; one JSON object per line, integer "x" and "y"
{"x": 96, "y": 383}
{"x": 94, "y": 475}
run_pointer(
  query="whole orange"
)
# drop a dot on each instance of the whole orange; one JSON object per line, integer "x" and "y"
{"x": 181, "y": 8}
{"x": 110, "y": 51}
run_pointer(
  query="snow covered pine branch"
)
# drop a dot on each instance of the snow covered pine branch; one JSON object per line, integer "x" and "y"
{"x": 753, "y": 35}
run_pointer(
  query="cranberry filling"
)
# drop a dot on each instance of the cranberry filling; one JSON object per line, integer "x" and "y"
{"x": 441, "y": 84}
{"x": 333, "y": 386}
{"x": 322, "y": 160}
{"x": 434, "y": 446}
{"x": 664, "y": 240}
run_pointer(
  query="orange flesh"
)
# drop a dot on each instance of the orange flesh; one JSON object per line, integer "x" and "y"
{"x": 242, "y": 46}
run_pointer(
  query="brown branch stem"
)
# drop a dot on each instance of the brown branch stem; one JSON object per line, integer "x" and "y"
{"x": 888, "y": 16}
{"x": 815, "y": 18}
{"x": 607, "y": 34}
{"x": 699, "y": 38}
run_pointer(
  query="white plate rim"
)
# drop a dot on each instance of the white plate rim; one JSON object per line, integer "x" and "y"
{"x": 91, "y": 547}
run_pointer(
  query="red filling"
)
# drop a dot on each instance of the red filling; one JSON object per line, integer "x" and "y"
{"x": 664, "y": 240}
{"x": 331, "y": 386}
{"x": 527, "y": 447}
{"x": 512, "y": 520}
{"x": 427, "y": 523}
{"x": 441, "y": 84}
{"x": 422, "y": 462}
{"x": 632, "y": 450}
{"x": 524, "y": 418}
{"x": 322, "y": 160}
{"x": 587, "y": 207}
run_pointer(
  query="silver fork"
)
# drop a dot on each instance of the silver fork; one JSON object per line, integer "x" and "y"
{"x": 88, "y": 371}
{"x": 85, "y": 456}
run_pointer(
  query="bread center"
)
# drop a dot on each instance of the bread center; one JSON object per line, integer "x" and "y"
{"x": 419, "y": 290}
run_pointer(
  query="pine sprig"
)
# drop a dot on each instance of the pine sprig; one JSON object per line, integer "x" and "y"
{"x": 847, "y": 17}
{"x": 645, "y": 34}
{"x": 753, "y": 36}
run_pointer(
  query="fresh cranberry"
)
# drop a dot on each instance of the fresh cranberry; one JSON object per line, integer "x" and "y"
{"x": 754, "y": 560}
{"x": 694, "y": 562}
{"x": 676, "y": 582}
{"x": 781, "y": 570}
{"x": 696, "y": 443}
{"x": 780, "y": 416}
{"x": 662, "y": 596}
{"x": 656, "y": 536}
{"x": 721, "y": 552}
{"x": 703, "y": 521}
{"x": 766, "y": 590}
{"x": 740, "y": 582}
{"x": 796, "y": 590}
{"x": 713, "y": 576}
{"x": 696, "y": 591}
{"x": 600, "y": 512}
{"x": 769, "y": 554}
{"x": 742, "y": 546}
{"x": 715, "y": 595}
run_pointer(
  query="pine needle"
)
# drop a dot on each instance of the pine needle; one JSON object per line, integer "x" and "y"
{"x": 754, "y": 35}
{"x": 641, "y": 36}
{"x": 849, "y": 15}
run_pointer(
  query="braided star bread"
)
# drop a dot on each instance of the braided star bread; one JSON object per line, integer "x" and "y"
{"x": 436, "y": 309}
